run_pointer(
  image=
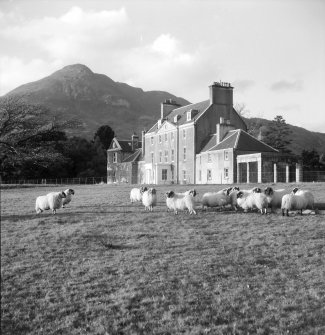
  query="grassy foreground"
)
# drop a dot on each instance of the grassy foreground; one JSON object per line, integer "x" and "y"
{"x": 105, "y": 266}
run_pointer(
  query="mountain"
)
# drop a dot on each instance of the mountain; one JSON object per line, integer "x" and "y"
{"x": 96, "y": 100}
{"x": 302, "y": 139}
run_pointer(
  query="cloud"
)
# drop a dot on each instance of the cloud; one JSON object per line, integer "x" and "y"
{"x": 76, "y": 31}
{"x": 283, "y": 85}
{"x": 14, "y": 71}
{"x": 243, "y": 85}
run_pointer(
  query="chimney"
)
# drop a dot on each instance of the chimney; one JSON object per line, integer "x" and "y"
{"x": 222, "y": 129}
{"x": 135, "y": 141}
{"x": 143, "y": 142}
{"x": 221, "y": 93}
{"x": 167, "y": 106}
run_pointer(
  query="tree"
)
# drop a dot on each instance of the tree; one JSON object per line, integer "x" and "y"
{"x": 311, "y": 160}
{"x": 29, "y": 135}
{"x": 105, "y": 134}
{"x": 241, "y": 110}
{"x": 278, "y": 134}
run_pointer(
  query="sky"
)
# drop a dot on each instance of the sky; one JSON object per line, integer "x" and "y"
{"x": 271, "y": 51}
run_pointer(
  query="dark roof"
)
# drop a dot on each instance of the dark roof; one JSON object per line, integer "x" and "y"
{"x": 239, "y": 140}
{"x": 181, "y": 111}
{"x": 153, "y": 128}
{"x": 134, "y": 157}
{"x": 200, "y": 107}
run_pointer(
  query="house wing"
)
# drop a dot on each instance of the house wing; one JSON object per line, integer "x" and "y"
{"x": 115, "y": 145}
{"x": 247, "y": 142}
{"x": 134, "y": 157}
{"x": 166, "y": 126}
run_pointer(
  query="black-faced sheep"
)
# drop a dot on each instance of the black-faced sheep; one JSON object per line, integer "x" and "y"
{"x": 149, "y": 199}
{"x": 136, "y": 193}
{"x": 252, "y": 200}
{"x": 183, "y": 202}
{"x": 297, "y": 200}
{"x": 51, "y": 201}
{"x": 68, "y": 192}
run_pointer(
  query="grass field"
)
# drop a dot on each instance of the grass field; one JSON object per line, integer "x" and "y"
{"x": 105, "y": 266}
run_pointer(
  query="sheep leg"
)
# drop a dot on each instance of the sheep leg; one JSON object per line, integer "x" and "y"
{"x": 287, "y": 212}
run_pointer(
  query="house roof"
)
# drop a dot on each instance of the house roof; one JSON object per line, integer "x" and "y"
{"x": 134, "y": 157}
{"x": 240, "y": 140}
{"x": 182, "y": 113}
{"x": 125, "y": 145}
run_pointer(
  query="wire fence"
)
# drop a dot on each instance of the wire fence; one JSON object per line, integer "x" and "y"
{"x": 57, "y": 181}
{"x": 307, "y": 176}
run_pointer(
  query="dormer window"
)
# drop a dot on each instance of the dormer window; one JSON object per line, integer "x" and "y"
{"x": 176, "y": 118}
{"x": 114, "y": 145}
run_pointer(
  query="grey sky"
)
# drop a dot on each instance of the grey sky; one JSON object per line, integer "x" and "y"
{"x": 272, "y": 51}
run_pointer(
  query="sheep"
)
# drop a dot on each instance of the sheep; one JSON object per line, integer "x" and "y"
{"x": 297, "y": 200}
{"x": 252, "y": 200}
{"x": 214, "y": 199}
{"x": 149, "y": 199}
{"x": 51, "y": 201}
{"x": 68, "y": 192}
{"x": 307, "y": 194}
{"x": 177, "y": 202}
{"x": 252, "y": 190}
{"x": 232, "y": 196}
{"x": 136, "y": 193}
{"x": 274, "y": 197}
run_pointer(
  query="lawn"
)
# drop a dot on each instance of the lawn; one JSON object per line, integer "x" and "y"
{"x": 105, "y": 266}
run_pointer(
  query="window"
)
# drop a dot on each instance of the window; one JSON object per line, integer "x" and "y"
{"x": 184, "y": 133}
{"x": 184, "y": 174}
{"x": 184, "y": 154}
{"x": 115, "y": 157}
{"x": 172, "y": 136}
{"x": 160, "y": 156}
{"x": 209, "y": 158}
{"x": 159, "y": 137}
{"x": 188, "y": 116}
{"x": 172, "y": 155}
{"x": 164, "y": 174}
{"x": 209, "y": 174}
{"x": 166, "y": 156}
{"x": 200, "y": 175}
{"x": 166, "y": 137}
{"x": 226, "y": 155}
{"x": 226, "y": 173}
{"x": 152, "y": 157}
{"x": 151, "y": 140}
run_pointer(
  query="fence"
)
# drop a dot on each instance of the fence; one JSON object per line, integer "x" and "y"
{"x": 308, "y": 176}
{"x": 57, "y": 181}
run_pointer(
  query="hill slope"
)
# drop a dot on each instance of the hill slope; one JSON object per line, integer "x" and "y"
{"x": 302, "y": 139}
{"x": 96, "y": 99}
